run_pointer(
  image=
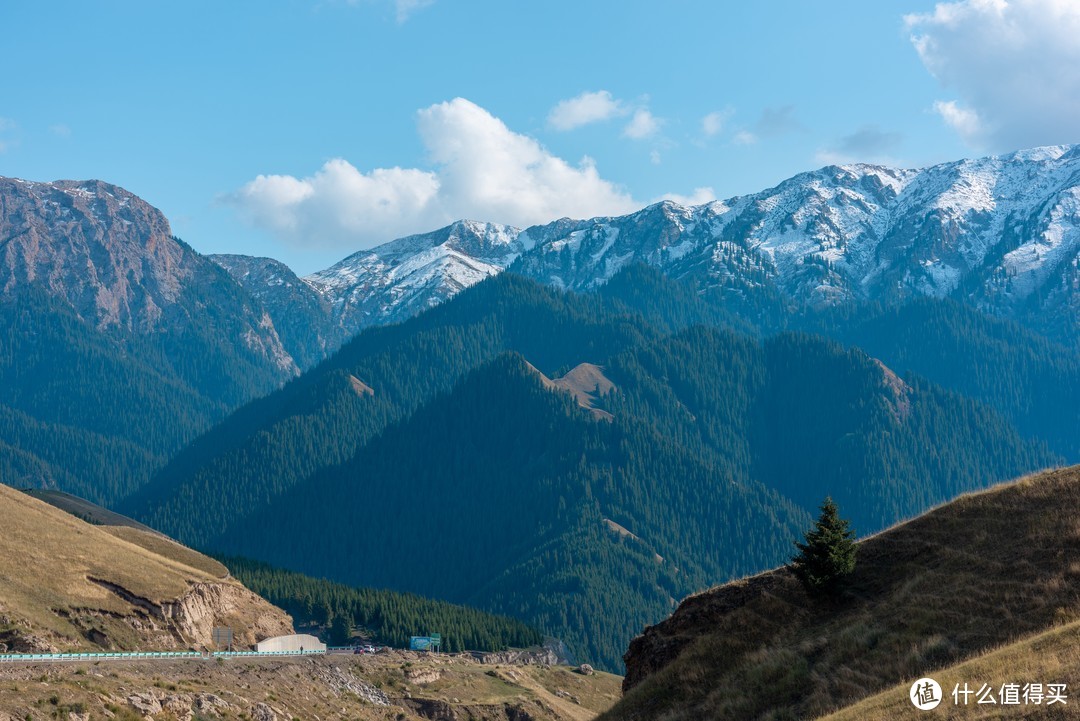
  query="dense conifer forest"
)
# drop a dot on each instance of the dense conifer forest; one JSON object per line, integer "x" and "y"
{"x": 479, "y": 485}
{"x": 345, "y": 615}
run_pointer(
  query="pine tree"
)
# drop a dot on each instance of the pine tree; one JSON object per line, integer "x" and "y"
{"x": 828, "y": 556}
{"x": 341, "y": 630}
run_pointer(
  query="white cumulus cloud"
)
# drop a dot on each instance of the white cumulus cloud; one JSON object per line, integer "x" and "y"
{"x": 589, "y": 107}
{"x": 642, "y": 125}
{"x": 963, "y": 120}
{"x": 481, "y": 170}
{"x": 1014, "y": 66}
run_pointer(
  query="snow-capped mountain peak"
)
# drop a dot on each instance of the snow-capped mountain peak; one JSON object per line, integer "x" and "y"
{"x": 399, "y": 279}
{"x": 1001, "y": 233}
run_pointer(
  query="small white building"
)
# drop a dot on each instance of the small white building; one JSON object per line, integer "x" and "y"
{"x": 292, "y": 644}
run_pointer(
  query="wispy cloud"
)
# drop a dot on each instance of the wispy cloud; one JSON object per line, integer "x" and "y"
{"x": 773, "y": 122}
{"x": 584, "y": 109}
{"x": 868, "y": 144}
{"x": 965, "y": 121}
{"x": 744, "y": 137}
{"x": 403, "y": 9}
{"x": 700, "y": 196}
{"x": 7, "y": 127}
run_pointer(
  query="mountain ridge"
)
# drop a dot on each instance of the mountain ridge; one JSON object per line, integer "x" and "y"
{"x": 687, "y": 459}
{"x": 1000, "y": 233}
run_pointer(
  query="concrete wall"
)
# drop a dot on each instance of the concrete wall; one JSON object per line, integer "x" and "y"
{"x": 291, "y": 643}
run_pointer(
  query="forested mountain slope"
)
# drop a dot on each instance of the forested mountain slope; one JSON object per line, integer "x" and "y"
{"x": 323, "y": 417}
{"x": 478, "y": 481}
{"x": 119, "y": 342}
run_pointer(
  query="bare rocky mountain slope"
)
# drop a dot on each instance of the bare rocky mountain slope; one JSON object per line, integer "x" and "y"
{"x": 112, "y": 258}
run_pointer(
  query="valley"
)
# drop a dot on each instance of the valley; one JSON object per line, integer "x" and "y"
{"x": 513, "y": 435}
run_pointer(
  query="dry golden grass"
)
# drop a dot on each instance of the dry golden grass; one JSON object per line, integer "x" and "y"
{"x": 84, "y": 509}
{"x": 47, "y": 558}
{"x": 986, "y": 570}
{"x": 1049, "y": 657}
{"x": 167, "y": 548}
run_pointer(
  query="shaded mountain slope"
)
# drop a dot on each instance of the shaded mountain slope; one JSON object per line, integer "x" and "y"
{"x": 106, "y": 319}
{"x": 507, "y": 494}
{"x": 1034, "y": 382}
{"x": 320, "y": 419}
{"x": 302, "y": 317}
{"x": 496, "y": 495}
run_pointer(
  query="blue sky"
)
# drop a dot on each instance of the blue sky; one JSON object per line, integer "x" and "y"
{"x": 308, "y": 129}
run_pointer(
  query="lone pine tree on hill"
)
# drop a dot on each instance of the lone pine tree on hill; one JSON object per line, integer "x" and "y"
{"x": 828, "y": 555}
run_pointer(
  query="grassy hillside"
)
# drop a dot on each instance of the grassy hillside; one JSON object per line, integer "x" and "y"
{"x": 68, "y": 585}
{"x": 1049, "y": 657}
{"x": 987, "y": 570}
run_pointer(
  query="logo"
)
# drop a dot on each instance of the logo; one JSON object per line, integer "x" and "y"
{"x": 925, "y": 694}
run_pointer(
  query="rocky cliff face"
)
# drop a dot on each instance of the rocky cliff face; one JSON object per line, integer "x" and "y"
{"x": 112, "y": 258}
{"x": 206, "y": 605}
{"x": 660, "y": 645}
{"x": 182, "y": 623}
{"x": 303, "y": 317}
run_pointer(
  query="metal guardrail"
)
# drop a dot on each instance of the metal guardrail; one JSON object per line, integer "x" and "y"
{"x": 118, "y": 655}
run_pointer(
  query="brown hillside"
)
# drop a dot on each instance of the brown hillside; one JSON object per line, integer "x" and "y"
{"x": 986, "y": 570}
{"x": 67, "y": 585}
{"x": 1049, "y": 657}
{"x": 586, "y": 383}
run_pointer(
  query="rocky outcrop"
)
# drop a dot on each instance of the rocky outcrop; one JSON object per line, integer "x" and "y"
{"x": 145, "y": 703}
{"x": 422, "y": 675}
{"x": 188, "y": 621}
{"x": 263, "y": 712}
{"x": 661, "y": 644}
{"x": 207, "y": 605}
{"x": 438, "y": 710}
{"x": 343, "y": 681}
{"x": 519, "y": 657}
